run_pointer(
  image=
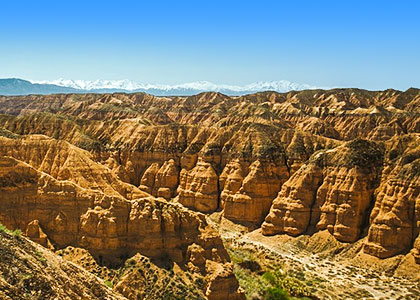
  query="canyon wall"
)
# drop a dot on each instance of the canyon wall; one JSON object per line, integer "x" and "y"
{"x": 60, "y": 213}
{"x": 342, "y": 160}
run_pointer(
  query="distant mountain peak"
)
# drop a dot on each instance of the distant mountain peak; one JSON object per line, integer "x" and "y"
{"x": 176, "y": 89}
{"x": 16, "y": 86}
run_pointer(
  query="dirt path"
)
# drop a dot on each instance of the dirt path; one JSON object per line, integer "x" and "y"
{"x": 328, "y": 277}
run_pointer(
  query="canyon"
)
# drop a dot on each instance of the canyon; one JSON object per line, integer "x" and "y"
{"x": 172, "y": 186}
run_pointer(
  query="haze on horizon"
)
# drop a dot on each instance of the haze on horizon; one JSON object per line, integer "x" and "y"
{"x": 319, "y": 43}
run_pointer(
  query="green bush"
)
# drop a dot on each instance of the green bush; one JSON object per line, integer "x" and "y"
{"x": 17, "y": 232}
{"x": 4, "y": 228}
{"x": 40, "y": 257}
{"x": 109, "y": 284}
{"x": 278, "y": 281}
{"x": 276, "y": 293}
{"x": 6, "y": 133}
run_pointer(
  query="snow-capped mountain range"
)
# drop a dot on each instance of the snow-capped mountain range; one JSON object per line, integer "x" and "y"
{"x": 177, "y": 89}
{"x": 16, "y": 86}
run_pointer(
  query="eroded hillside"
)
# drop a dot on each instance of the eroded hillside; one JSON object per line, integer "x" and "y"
{"x": 121, "y": 174}
{"x": 29, "y": 271}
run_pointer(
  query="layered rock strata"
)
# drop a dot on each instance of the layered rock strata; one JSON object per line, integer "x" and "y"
{"x": 249, "y": 189}
{"x": 333, "y": 191}
{"x": 61, "y": 213}
{"x": 236, "y": 154}
{"x": 28, "y": 270}
{"x": 395, "y": 218}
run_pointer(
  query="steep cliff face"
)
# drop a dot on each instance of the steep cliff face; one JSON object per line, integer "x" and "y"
{"x": 247, "y": 192}
{"x": 396, "y": 215}
{"x": 61, "y": 213}
{"x": 161, "y": 181}
{"x": 292, "y": 209}
{"x": 394, "y": 220}
{"x": 333, "y": 191}
{"x": 198, "y": 187}
{"x": 166, "y": 180}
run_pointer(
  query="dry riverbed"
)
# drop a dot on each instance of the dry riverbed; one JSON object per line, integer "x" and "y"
{"x": 328, "y": 269}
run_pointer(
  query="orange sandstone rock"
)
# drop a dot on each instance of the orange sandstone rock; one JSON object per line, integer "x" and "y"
{"x": 333, "y": 191}
{"x": 198, "y": 187}
{"x": 61, "y": 213}
{"x": 248, "y": 192}
{"x": 291, "y": 210}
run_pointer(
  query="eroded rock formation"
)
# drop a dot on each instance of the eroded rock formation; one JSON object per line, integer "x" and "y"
{"x": 248, "y": 189}
{"x": 395, "y": 219}
{"x": 345, "y": 160}
{"x": 28, "y": 270}
{"x": 198, "y": 188}
{"x": 333, "y": 191}
{"x": 61, "y": 213}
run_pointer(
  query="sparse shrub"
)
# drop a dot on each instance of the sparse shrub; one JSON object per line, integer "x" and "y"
{"x": 4, "y": 228}
{"x": 279, "y": 280}
{"x": 40, "y": 257}
{"x": 276, "y": 293}
{"x": 17, "y": 233}
{"x": 251, "y": 265}
{"x": 6, "y": 133}
{"x": 109, "y": 284}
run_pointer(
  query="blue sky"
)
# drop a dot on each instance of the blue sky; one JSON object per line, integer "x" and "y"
{"x": 366, "y": 44}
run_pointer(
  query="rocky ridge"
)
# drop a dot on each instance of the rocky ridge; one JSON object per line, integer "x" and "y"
{"x": 58, "y": 214}
{"x": 29, "y": 271}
